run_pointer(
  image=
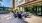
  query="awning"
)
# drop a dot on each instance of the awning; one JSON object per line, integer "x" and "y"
{"x": 30, "y": 3}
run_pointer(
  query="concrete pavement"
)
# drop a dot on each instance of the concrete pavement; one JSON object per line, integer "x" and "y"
{"x": 34, "y": 19}
{"x": 9, "y": 18}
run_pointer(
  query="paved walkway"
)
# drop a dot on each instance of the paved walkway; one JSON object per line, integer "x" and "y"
{"x": 34, "y": 19}
{"x": 9, "y": 18}
{"x": 13, "y": 20}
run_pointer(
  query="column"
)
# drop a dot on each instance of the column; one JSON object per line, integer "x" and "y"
{"x": 19, "y": 9}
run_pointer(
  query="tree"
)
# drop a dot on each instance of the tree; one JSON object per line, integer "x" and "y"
{"x": 0, "y": 0}
{"x": 26, "y": 9}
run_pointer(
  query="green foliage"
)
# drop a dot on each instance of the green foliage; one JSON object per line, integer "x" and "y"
{"x": 4, "y": 8}
{"x": 1, "y": 0}
{"x": 26, "y": 9}
{"x": 36, "y": 8}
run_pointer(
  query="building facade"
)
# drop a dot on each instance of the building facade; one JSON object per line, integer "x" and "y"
{"x": 12, "y": 4}
{"x": 31, "y": 6}
{"x": 19, "y": 2}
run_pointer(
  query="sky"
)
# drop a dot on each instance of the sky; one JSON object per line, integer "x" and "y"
{"x": 6, "y": 3}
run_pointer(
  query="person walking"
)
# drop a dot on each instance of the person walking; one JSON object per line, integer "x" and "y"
{"x": 15, "y": 14}
{"x": 19, "y": 15}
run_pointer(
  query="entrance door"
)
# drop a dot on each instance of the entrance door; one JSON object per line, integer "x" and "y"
{"x": 37, "y": 10}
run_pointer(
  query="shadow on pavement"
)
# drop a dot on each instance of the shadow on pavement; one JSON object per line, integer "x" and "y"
{"x": 26, "y": 22}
